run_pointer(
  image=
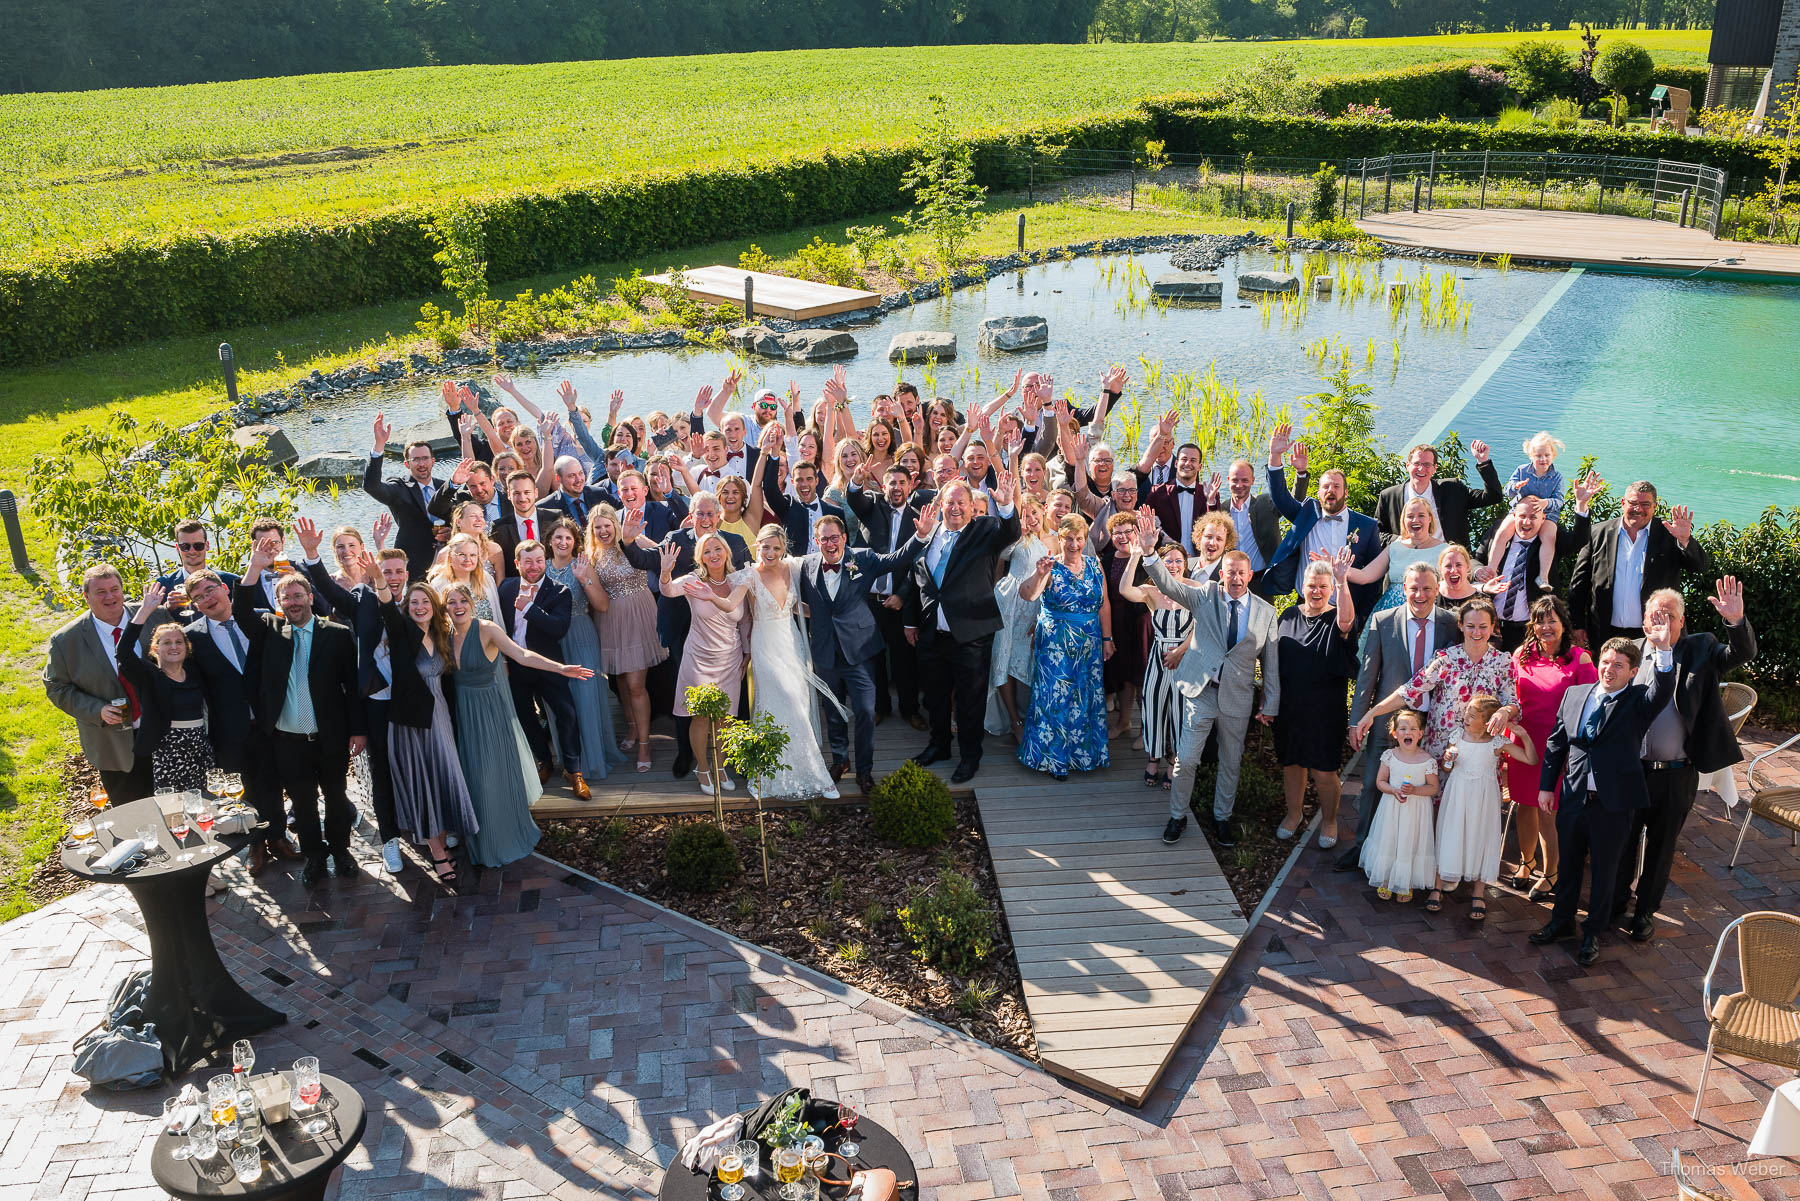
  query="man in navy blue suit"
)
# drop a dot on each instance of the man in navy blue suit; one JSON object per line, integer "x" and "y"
{"x": 535, "y": 612}
{"x": 191, "y": 548}
{"x": 834, "y": 586}
{"x": 1596, "y": 753}
{"x": 1322, "y": 524}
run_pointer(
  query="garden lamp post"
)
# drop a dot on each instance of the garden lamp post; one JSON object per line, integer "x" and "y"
{"x": 228, "y": 361}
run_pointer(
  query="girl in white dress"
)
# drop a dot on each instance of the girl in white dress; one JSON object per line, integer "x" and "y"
{"x": 1401, "y": 851}
{"x": 1469, "y": 835}
{"x": 782, "y": 680}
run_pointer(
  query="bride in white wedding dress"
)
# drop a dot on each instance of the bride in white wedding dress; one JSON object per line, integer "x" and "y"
{"x": 782, "y": 681}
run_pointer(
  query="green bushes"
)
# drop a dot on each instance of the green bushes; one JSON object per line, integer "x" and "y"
{"x": 912, "y": 807}
{"x": 1540, "y": 69}
{"x": 1765, "y": 557}
{"x": 1626, "y": 69}
{"x": 701, "y": 858}
{"x": 950, "y": 925}
{"x": 1416, "y": 93}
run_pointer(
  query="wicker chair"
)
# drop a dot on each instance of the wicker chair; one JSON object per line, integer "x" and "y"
{"x": 1739, "y": 700}
{"x": 1762, "y": 1020}
{"x": 1688, "y": 1186}
{"x": 1778, "y": 805}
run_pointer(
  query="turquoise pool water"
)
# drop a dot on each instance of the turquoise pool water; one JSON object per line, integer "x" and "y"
{"x": 1686, "y": 383}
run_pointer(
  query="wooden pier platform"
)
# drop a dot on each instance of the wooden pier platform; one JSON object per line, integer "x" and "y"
{"x": 771, "y": 295}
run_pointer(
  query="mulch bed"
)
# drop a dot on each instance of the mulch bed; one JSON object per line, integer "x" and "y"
{"x": 1251, "y": 866}
{"x": 834, "y": 889}
{"x": 49, "y": 882}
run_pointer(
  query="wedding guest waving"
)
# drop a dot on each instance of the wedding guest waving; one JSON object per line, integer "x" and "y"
{"x": 171, "y": 730}
{"x": 1317, "y": 654}
{"x": 1625, "y": 560}
{"x": 1450, "y": 499}
{"x": 408, "y": 499}
{"x": 1065, "y": 728}
{"x": 716, "y": 648}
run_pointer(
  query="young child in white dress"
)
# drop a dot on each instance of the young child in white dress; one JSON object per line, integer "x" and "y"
{"x": 1469, "y": 835}
{"x": 1401, "y": 852}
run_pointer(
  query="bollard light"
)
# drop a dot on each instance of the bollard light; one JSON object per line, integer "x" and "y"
{"x": 749, "y": 298}
{"x": 228, "y": 361}
{"x": 1290, "y": 220}
{"x": 15, "y": 537}
{"x": 1021, "y": 231}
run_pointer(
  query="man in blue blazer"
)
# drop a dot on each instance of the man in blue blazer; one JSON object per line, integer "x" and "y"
{"x": 834, "y": 587}
{"x": 535, "y": 612}
{"x": 798, "y": 514}
{"x": 1321, "y": 524}
{"x": 1595, "y": 753}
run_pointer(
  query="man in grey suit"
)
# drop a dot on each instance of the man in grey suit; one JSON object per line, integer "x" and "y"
{"x": 1216, "y": 678}
{"x": 1401, "y": 640}
{"x": 81, "y": 677}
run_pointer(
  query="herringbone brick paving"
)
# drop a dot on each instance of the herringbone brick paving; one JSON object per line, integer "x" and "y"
{"x": 552, "y": 1036}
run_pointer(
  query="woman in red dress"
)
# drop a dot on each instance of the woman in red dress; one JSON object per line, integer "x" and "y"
{"x": 1545, "y": 666}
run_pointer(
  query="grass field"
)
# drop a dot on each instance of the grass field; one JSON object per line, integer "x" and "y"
{"x": 76, "y": 168}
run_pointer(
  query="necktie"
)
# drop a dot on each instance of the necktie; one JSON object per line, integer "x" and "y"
{"x": 300, "y": 684}
{"x": 1418, "y": 645}
{"x": 943, "y": 559}
{"x": 237, "y": 641}
{"x": 1590, "y": 729}
{"x": 131, "y": 701}
{"x": 580, "y": 509}
{"x": 1231, "y": 629}
{"x": 529, "y": 532}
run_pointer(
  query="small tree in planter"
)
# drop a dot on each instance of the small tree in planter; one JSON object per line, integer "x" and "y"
{"x": 708, "y": 703}
{"x": 755, "y": 748}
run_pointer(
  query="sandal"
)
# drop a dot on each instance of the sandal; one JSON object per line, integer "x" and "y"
{"x": 1152, "y": 777}
{"x": 630, "y": 744}
{"x": 643, "y": 765}
{"x": 446, "y": 878}
{"x": 1434, "y": 901}
{"x": 1385, "y": 893}
{"x": 1478, "y": 914}
{"x": 1167, "y": 780}
{"x": 1403, "y": 896}
{"x": 1541, "y": 888}
{"x": 1521, "y": 879}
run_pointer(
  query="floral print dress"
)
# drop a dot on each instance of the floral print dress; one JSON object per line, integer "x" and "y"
{"x": 1066, "y": 727}
{"x": 1446, "y": 684}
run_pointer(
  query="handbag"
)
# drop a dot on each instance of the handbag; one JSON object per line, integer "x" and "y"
{"x": 119, "y": 1058}
{"x": 869, "y": 1184}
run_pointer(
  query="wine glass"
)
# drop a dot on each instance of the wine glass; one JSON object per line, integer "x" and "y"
{"x": 178, "y": 1118}
{"x": 178, "y": 828}
{"x": 731, "y": 1171}
{"x": 202, "y": 815}
{"x": 99, "y": 800}
{"x": 789, "y": 1167}
{"x": 234, "y": 785}
{"x": 847, "y": 1117}
{"x": 82, "y": 831}
{"x": 308, "y": 1092}
{"x": 243, "y": 1055}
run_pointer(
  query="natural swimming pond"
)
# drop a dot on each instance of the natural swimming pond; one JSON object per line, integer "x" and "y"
{"x": 1687, "y": 383}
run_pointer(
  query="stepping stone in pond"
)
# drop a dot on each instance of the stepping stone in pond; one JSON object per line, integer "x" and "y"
{"x": 1187, "y": 285}
{"x": 919, "y": 345}
{"x": 1268, "y": 281}
{"x": 332, "y": 465}
{"x": 1011, "y": 334}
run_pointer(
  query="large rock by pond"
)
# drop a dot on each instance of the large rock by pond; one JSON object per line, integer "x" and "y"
{"x": 1187, "y": 285}
{"x": 919, "y": 345}
{"x": 437, "y": 433}
{"x": 277, "y": 451}
{"x": 341, "y": 465}
{"x": 796, "y": 346}
{"x": 1268, "y": 281}
{"x": 1011, "y": 334}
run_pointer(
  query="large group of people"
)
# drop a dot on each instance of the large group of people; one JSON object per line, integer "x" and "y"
{"x": 990, "y": 575}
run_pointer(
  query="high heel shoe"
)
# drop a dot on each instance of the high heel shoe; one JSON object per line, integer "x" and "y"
{"x": 446, "y": 878}
{"x": 704, "y": 779}
{"x": 1542, "y": 888}
{"x": 643, "y": 765}
{"x": 1521, "y": 879}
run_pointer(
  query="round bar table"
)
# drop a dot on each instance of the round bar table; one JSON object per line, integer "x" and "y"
{"x": 296, "y": 1166}
{"x": 878, "y": 1149}
{"x": 195, "y": 1004}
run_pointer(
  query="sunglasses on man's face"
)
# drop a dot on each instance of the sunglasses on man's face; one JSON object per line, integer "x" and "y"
{"x": 200, "y": 545}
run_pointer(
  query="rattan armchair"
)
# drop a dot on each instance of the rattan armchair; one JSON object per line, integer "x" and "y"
{"x": 1778, "y": 805}
{"x": 1688, "y": 1183}
{"x": 1762, "y": 1020}
{"x": 1739, "y": 700}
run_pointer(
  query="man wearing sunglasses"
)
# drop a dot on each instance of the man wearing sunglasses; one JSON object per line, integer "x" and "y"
{"x": 191, "y": 549}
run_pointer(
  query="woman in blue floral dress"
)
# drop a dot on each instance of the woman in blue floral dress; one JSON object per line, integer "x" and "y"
{"x": 1065, "y": 729}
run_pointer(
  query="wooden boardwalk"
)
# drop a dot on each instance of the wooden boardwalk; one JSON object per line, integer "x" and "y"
{"x": 1119, "y": 939}
{"x": 1625, "y": 243}
{"x": 772, "y": 295}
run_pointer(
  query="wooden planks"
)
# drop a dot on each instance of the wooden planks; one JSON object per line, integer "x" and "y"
{"x": 771, "y": 295}
{"x": 1631, "y": 243}
{"x": 1119, "y": 939}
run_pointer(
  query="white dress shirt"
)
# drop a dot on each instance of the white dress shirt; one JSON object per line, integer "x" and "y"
{"x": 1628, "y": 579}
{"x": 885, "y": 585}
{"x": 518, "y": 615}
{"x": 1329, "y": 534}
{"x": 1429, "y": 496}
{"x": 1246, "y": 536}
{"x": 1184, "y": 505}
{"x": 221, "y": 638}
{"x": 828, "y": 580}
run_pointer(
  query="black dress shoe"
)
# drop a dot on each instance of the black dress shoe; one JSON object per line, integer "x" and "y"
{"x": 1552, "y": 932}
{"x": 1173, "y": 831}
{"x": 965, "y": 771}
{"x": 1590, "y": 951}
{"x": 1224, "y": 834}
{"x": 930, "y": 755}
{"x": 866, "y": 782}
{"x": 344, "y": 865}
{"x": 684, "y": 763}
{"x": 1347, "y": 859}
{"x": 1641, "y": 930}
{"x": 313, "y": 872}
{"x": 838, "y": 768}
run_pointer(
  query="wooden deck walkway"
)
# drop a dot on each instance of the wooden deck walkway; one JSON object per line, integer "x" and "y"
{"x": 1119, "y": 939}
{"x": 772, "y": 295}
{"x": 1586, "y": 239}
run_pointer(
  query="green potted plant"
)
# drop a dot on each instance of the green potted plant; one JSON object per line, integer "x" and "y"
{"x": 755, "y": 748}
{"x": 708, "y": 703}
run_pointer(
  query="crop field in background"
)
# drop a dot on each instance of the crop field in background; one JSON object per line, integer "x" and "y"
{"x": 84, "y": 167}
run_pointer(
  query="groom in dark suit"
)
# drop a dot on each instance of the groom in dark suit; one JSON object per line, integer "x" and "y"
{"x": 834, "y": 586}
{"x": 951, "y": 616}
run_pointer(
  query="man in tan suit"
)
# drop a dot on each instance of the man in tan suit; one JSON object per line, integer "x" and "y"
{"x": 82, "y": 679}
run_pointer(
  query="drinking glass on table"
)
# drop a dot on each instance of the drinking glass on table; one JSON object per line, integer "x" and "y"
{"x": 178, "y": 828}
{"x": 179, "y": 1117}
{"x": 847, "y": 1117}
{"x": 751, "y": 1152}
{"x": 243, "y": 1055}
{"x": 731, "y": 1170}
{"x": 147, "y": 836}
{"x": 203, "y": 1140}
{"x": 308, "y": 1092}
{"x": 789, "y": 1168}
{"x": 99, "y": 800}
{"x": 201, "y": 814}
{"x": 247, "y": 1163}
{"x": 82, "y": 831}
{"x": 221, "y": 1100}
{"x": 812, "y": 1153}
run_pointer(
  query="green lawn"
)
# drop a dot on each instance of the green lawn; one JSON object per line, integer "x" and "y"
{"x": 80, "y": 167}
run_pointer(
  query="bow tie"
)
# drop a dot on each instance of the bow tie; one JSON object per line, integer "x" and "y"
{"x": 824, "y": 566}
{"x": 733, "y": 454}
{"x": 1334, "y": 517}
{"x": 710, "y": 472}
{"x": 1187, "y": 488}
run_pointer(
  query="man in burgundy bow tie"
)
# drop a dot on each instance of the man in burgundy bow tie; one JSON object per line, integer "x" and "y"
{"x": 1181, "y": 502}
{"x": 740, "y": 456}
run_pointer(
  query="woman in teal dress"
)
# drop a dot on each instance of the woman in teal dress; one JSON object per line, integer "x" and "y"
{"x": 600, "y": 753}
{"x": 496, "y": 759}
{"x": 1065, "y": 729}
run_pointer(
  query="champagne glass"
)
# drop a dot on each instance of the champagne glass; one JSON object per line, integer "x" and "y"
{"x": 243, "y": 1055}
{"x": 731, "y": 1171}
{"x": 178, "y": 827}
{"x": 308, "y": 1092}
{"x": 789, "y": 1167}
{"x": 847, "y": 1118}
{"x": 202, "y": 814}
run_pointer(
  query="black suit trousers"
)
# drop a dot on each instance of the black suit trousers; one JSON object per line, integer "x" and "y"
{"x": 1590, "y": 838}
{"x": 955, "y": 676}
{"x": 899, "y": 666}
{"x": 309, "y": 769}
{"x": 852, "y": 684}
{"x": 532, "y": 689}
{"x": 1672, "y": 793}
{"x": 381, "y": 774}
{"x": 133, "y": 785}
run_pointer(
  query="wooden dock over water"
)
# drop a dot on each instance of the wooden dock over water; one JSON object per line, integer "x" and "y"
{"x": 1119, "y": 938}
{"x": 771, "y": 295}
{"x": 1583, "y": 239}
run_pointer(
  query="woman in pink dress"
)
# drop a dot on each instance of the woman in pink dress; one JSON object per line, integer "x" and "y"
{"x": 1443, "y": 686}
{"x": 718, "y": 643}
{"x": 1547, "y": 665}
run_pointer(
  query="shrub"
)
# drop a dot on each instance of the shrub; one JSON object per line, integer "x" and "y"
{"x": 1625, "y": 68}
{"x": 950, "y": 925}
{"x": 1559, "y": 113}
{"x": 865, "y": 238}
{"x": 1539, "y": 69}
{"x": 912, "y": 807}
{"x": 701, "y": 858}
{"x": 1515, "y": 118}
{"x": 755, "y": 259}
{"x": 440, "y": 325}
{"x": 1490, "y": 86}
{"x": 829, "y": 263}
{"x": 1271, "y": 84}
{"x": 1326, "y": 192}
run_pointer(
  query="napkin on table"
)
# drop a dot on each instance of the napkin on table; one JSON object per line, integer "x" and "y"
{"x": 109, "y": 862}
{"x": 702, "y": 1152}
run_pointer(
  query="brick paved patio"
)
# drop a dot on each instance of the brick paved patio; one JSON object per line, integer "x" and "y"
{"x": 552, "y": 1036}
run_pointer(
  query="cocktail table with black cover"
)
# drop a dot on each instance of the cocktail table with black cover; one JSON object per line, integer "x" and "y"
{"x": 296, "y": 1166}
{"x": 879, "y": 1149}
{"x": 196, "y": 1005}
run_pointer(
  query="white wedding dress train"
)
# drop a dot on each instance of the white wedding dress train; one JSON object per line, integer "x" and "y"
{"x": 783, "y": 685}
